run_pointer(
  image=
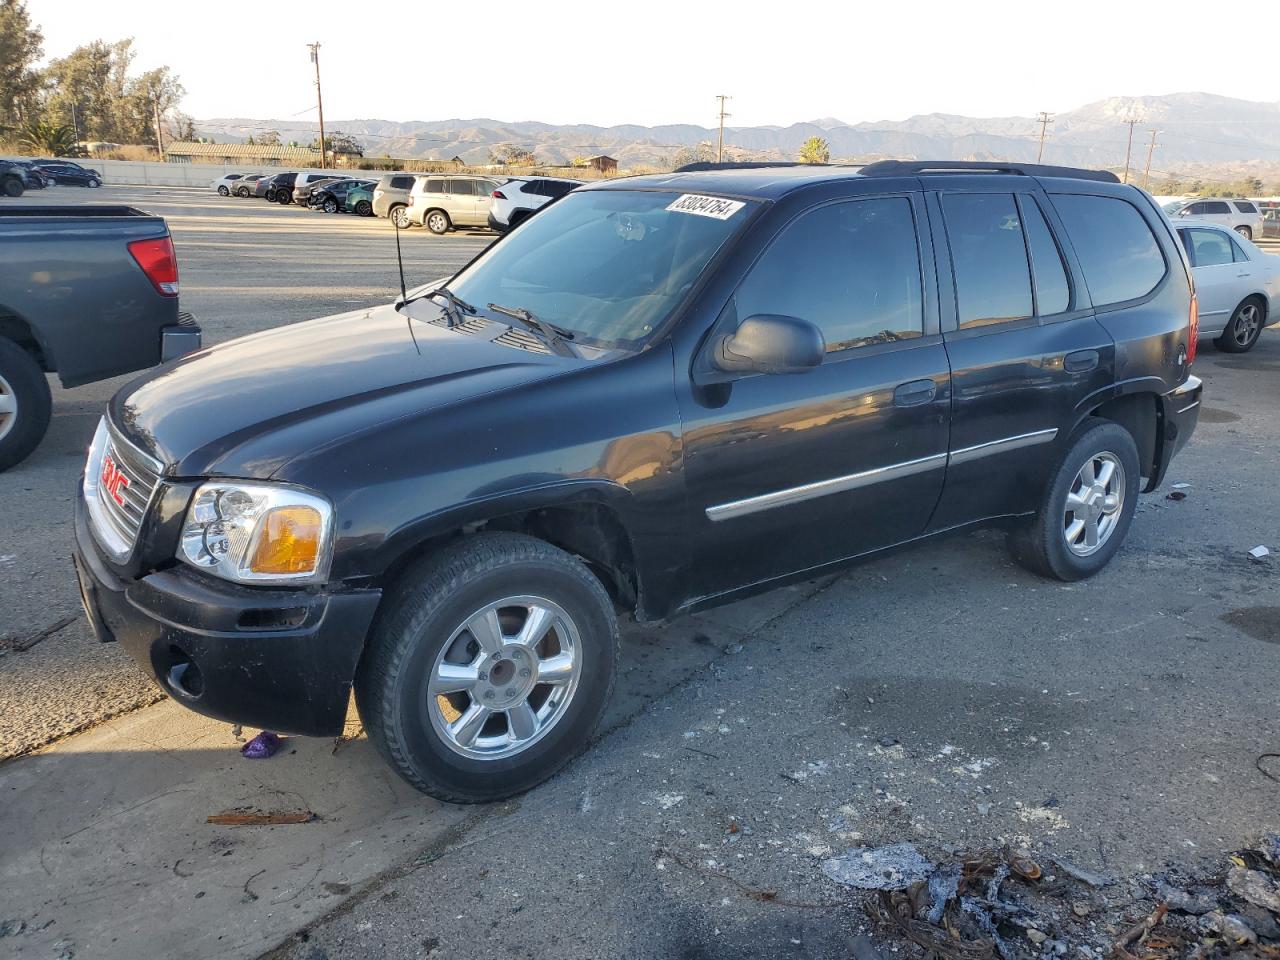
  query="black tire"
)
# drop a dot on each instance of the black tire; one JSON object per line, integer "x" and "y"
{"x": 426, "y": 606}
{"x": 399, "y": 215}
{"x": 437, "y": 221}
{"x": 284, "y": 197}
{"x": 330, "y": 205}
{"x": 269, "y": 196}
{"x": 1041, "y": 544}
{"x": 13, "y": 187}
{"x": 24, "y": 384}
{"x": 242, "y": 193}
{"x": 93, "y": 183}
{"x": 1245, "y": 231}
{"x": 1244, "y": 327}
{"x": 364, "y": 208}
{"x": 223, "y": 191}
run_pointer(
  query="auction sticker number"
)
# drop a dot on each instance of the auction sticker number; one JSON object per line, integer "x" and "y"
{"x": 715, "y": 207}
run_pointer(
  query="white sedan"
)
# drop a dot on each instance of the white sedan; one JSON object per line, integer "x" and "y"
{"x": 1237, "y": 285}
{"x": 224, "y": 185}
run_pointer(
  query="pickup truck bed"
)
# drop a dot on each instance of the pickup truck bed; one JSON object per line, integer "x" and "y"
{"x": 87, "y": 292}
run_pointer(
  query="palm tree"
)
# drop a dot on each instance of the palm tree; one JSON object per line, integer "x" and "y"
{"x": 46, "y": 137}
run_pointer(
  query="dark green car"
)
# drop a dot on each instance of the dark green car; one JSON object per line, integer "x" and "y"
{"x": 359, "y": 200}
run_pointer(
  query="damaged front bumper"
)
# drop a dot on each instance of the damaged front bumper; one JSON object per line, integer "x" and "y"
{"x": 282, "y": 660}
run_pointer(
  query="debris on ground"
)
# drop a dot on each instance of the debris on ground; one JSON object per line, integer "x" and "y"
{"x": 1084, "y": 876}
{"x": 260, "y": 818}
{"x": 262, "y": 746}
{"x": 21, "y": 644}
{"x": 1176, "y": 495}
{"x": 1259, "y": 553}
{"x": 894, "y": 867}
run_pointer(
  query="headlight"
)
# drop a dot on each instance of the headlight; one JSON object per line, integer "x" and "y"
{"x": 258, "y": 533}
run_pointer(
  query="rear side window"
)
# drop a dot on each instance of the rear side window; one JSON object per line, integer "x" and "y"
{"x": 853, "y": 269}
{"x": 556, "y": 188}
{"x": 993, "y": 279}
{"x": 1208, "y": 248}
{"x": 1118, "y": 252}
{"x": 401, "y": 183}
{"x": 1245, "y": 207}
{"x": 434, "y": 186}
{"x": 1216, "y": 206}
{"x": 534, "y": 188}
{"x": 1053, "y": 294}
{"x": 462, "y": 188}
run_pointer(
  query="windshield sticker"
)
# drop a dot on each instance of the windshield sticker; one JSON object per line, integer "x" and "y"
{"x": 716, "y": 207}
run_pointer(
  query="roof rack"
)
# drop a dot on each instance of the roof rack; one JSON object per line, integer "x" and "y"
{"x": 701, "y": 166}
{"x": 898, "y": 168}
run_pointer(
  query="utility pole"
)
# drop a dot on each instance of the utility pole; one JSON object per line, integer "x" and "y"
{"x": 720, "y": 149}
{"x": 1045, "y": 120}
{"x": 1146, "y": 177}
{"x": 1132, "y": 121}
{"x": 75, "y": 120}
{"x": 315, "y": 58}
{"x": 155, "y": 107}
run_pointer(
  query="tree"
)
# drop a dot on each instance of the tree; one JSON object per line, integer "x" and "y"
{"x": 20, "y": 48}
{"x": 181, "y": 127}
{"x": 510, "y": 155}
{"x": 269, "y": 138}
{"x": 337, "y": 142}
{"x": 701, "y": 153}
{"x": 815, "y": 150}
{"x": 148, "y": 96}
{"x": 43, "y": 137}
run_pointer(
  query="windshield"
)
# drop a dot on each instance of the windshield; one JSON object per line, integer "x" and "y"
{"x": 1174, "y": 207}
{"x": 608, "y": 266}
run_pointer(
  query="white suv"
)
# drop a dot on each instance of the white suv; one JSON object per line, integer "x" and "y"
{"x": 1242, "y": 216}
{"x": 516, "y": 200}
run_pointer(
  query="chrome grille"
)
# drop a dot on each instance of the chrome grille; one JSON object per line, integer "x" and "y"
{"x": 119, "y": 483}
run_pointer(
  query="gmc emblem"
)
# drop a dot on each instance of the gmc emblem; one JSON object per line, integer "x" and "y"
{"x": 114, "y": 480}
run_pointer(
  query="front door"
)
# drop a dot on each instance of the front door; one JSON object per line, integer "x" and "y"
{"x": 791, "y": 471}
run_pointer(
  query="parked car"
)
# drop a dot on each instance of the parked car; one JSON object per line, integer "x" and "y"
{"x": 1237, "y": 285}
{"x": 1243, "y": 216}
{"x": 302, "y": 192}
{"x": 359, "y": 199}
{"x": 13, "y": 179}
{"x": 86, "y": 292}
{"x": 281, "y": 183}
{"x": 661, "y": 394}
{"x": 332, "y": 197}
{"x": 391, "y": 197}
{"x": 224, "y": 184}
{"x": 517, "y": 199}
{"x": 248, "y": 184}
{"x": 36, "y": 179}
{"x": 64, "y": 172}
{"x": 306, "y": 180}
{"x": 442, "y": 203}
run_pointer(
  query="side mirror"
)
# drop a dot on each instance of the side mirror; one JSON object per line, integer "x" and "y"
{"x": 769, "y": 343}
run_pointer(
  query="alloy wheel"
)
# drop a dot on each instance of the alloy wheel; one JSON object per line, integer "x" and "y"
{"x": 505, "y": 677}
{"x": 437, "y": 223}
{"x": 8, "y": 408}
{"x": 1094, "y": 504}
{"x": 400, "y": 216}
{"x": 1247, "y": 326}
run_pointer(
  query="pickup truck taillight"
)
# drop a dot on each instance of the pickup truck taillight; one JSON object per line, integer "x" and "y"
{"x": 499, "y": 195}
{"x": 1194, "y": 329}
{"x": 157, "y": 260}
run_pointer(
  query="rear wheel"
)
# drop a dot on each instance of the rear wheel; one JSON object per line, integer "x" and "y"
{"x": 242, "y": 192}
{"x": 13, "y": 187}
{"x": 1245, "y": 231}
{"x": 1243, "y": 329}
{"x": 330, "y": 205}
{"x": 95, "y": 182}
{"x": 1087, "y": 508}
{"x": 489, "y": 668}
{"x": 400, "y": 217}
{"x": 364, "y": 208}
{"x": 223, "y": 191}
{"x": 25, "y": 404}
{"x": 437, "y": 221}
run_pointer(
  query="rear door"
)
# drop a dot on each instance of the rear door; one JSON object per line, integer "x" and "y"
{"x": 788, "y": 472}
{"x": 1219, "y": 275}
{"x": 1025, "y": 348}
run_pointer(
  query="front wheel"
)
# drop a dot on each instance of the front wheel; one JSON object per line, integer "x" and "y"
{"x": 94, "y": 183}
{"x": 223, "y": 192}
{"x": 1242, "y": 330}
{"x": 13, "y": 187}
{"x": 330, "y": 205}
{"x": 1245, "y": 231}
{"x": 489, "y": 668}
{"x": 25, "y": 404}
{"x": 1087, "y": 508}
{"x": 437, "y": 221}
{"x": 400, "y": 217}
{"x": 242, "y": 192}
{"x": 364, "y": 208}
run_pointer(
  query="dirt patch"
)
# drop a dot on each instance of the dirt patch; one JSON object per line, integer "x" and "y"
{"x": 1214, "y": 415}
{"x": 1261, "y": 623}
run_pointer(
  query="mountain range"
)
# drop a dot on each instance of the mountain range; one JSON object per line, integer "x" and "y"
{"x": 1194, "y": 130}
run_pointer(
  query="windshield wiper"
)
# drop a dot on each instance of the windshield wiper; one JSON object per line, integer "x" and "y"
{"x": 555, "y": 337}
{"x": 454, "y": 308}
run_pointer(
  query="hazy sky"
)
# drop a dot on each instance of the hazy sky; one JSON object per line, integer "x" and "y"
{"x": 656, "y": 61}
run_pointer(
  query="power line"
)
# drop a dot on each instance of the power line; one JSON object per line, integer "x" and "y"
{"x": 720, "y": 149}
{"x": 1045, "y": 120}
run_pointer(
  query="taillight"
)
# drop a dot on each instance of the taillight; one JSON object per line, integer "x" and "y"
{"x": 1193, "y": 331}
{"x": 499, "y": 195}
{"x": 157, "y": 260}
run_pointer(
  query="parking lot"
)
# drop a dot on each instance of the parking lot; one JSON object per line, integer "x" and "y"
{"x": 942, "y": 695}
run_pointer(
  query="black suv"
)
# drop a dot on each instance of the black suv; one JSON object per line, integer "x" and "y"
{"x": 277, "y": 189}
{"x": 662, "y": 394}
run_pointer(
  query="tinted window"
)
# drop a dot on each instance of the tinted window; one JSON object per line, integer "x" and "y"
{"x": 851, "y": 268}
{"x": 993, "y": 280}
{"x": 401, "y": 183}
{"x": 434, "y": 186}
{"x": 1216, "y": 206}
{"x": 1209, "y": 248}
{"x": 1195, "y": 209}
{"x": 554, "y": 188}
{"x": 1244, "y": 207}
{"x": 234, "y": 176}
{"x": 1053, "y": 295}
{"x": 534, "y": 187}
{"x": 462, "y": 188}
{"x": 1118, "y": 253}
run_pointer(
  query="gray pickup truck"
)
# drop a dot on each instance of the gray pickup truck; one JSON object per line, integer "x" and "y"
{"x": 87, "y": 292}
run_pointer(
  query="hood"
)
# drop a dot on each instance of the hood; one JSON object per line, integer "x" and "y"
{"x": 247, "y": 407}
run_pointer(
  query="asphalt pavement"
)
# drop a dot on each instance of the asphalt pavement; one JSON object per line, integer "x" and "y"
{"x": 941, "y": 695}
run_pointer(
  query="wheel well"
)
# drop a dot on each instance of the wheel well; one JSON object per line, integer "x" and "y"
{"x": 590, "y": 531}
{"x": 1137, "y": 413}
{"x": 13, "y": 327}
{"x": 1260, "y": 300}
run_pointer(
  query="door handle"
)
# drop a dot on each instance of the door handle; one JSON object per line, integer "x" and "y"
{"x": 914, "y": 392}
{"x": 1081, "y": 361}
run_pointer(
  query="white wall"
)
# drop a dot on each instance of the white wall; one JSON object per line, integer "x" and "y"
{"x": 190, "y": 174}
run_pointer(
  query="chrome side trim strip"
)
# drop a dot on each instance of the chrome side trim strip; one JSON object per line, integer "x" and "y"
{"x": 966, "y": 454}
{"x": 779, "y": 498}
{"x": 1190, "y": 406}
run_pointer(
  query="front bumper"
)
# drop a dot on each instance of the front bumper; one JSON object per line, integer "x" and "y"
{"x": 1179, "y": 414}
{"x": 282, "y": 660}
